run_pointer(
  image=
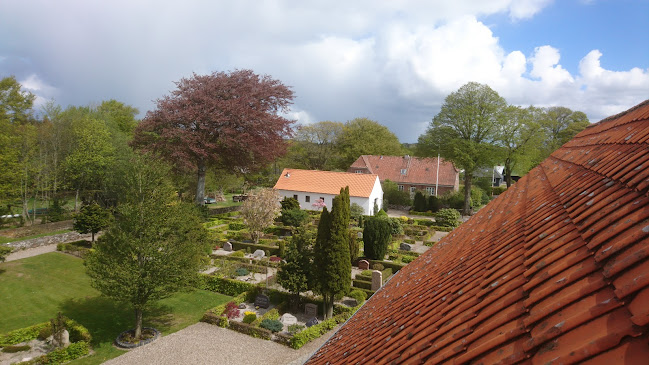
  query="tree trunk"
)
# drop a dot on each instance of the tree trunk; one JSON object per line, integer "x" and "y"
{"x": 76, "y": 202}
{"x": 467, "y": 193}
{"x": 328, "y": 305}
{"x": 200, "y": 186}
{"x": 138, "y": 323}
{"x": 92, "y": 240}
{"x": 508, "y": 173}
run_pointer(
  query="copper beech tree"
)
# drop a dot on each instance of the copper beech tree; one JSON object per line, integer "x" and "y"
{"x": 223, "y": 120}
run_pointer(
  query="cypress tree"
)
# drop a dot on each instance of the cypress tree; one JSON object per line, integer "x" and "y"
{"x": 332, "y": 256}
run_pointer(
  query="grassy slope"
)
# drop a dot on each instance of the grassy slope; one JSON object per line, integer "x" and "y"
{"x": 33, "y": 290}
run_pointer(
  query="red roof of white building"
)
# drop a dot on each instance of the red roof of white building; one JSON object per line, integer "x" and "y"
{"x": 326, "y": 182}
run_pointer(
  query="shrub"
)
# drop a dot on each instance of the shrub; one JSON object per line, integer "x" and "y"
{"x": 379, "y": 267}
{"x": 272, "y": 325}
{"x": 419, "y": 204}
{"x": 241, "y": 272}
{"x": 231, "y": 310}
{"x": 358, "y": 295}
{"x": 447, "y": 218}
{"x": 295, "y": 328}
{"x": 434, "y": 204}
{"x": 249, "y": 317}
{"x": 289, "y": 203}
{"x": 395, "y": 226}
{"x": 294, "y": 217}
{"x": 408, "y": 259}
{"x": 251, "y": 330}
{"x": 499, "y": 190}
{"x": 224, "y": 286}
{"x": 12, "y": 349}
{"x": 236, "y": 226}
{"x": 356, "y": 210}
{"x": 367, "y": 273}
{"x": 272, "y": 315}
{"x": 239, "y": 253}
{"x": 313, "y": 332}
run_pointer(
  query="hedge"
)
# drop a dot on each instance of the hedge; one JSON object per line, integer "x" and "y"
{"x": 362, "y": 284}
{"x": 214, "y": 315}
{"x": 79, "y": 336}
{"x": 302, "y": 338}
{"x": 249, "y": 330}
{"x": 387, "y": 264}
{"x": 79, "y": 248}
{"x": 273, "y": 250}
{"x": 224, "y": 286}
{"x": 247, "y": 260}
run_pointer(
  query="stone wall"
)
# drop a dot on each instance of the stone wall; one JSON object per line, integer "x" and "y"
{"x": 49, "y": 240}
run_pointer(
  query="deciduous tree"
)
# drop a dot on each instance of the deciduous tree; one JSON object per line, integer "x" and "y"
{"x": 314, "y": 146}
{"x": 155, "y": 246}
{"x": 559, "y": 124}
{"x": 464, "y": 131}
{"x": 362, "y": 136}
{"x": 259, "y": 210}
{"x": 225, "y": 120}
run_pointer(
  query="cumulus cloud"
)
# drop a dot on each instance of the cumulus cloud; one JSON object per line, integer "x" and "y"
{"x": 392, "y": 61}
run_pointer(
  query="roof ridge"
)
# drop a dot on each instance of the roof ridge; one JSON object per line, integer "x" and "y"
{"x": 618, "y": 115}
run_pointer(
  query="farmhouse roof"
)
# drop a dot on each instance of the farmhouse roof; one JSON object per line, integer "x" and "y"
{"x": 326, "y": 182}
{"x": 555, "y": 270}
{"x": 407, "y": 169}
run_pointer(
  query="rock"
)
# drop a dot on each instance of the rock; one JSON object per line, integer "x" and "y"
{"x": 405, "y": 247}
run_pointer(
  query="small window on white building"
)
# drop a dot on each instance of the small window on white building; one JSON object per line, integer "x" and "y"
{"x": 307, "y": 198}
{"x": 295, "y": 196}
{"x": 400, "y": 187}
{"x": 412, "y": 189}
{"x": 322, "y": 198}
{"x": 430, "y": 190}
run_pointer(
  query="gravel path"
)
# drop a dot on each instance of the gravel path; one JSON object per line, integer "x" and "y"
{"x": 204, "y": 343}
{"x": 21, "y": 254}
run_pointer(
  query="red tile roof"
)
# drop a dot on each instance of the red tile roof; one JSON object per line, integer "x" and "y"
{"x": 556, "y": 270}
{"x": 418, "y": 170}
{"x": 326, "y": 182}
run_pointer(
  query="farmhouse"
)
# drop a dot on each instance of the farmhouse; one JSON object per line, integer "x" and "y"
{"x": 553, "y": 271}
{"x": 410, "y": 173}
{"x": 308, "y": 186}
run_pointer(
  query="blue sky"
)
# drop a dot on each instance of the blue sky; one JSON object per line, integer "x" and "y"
{"x": 391, "y": 61}
{"x": 616, "y": 27}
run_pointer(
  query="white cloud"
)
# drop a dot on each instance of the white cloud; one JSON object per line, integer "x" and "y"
{"x": 392, "y": 61}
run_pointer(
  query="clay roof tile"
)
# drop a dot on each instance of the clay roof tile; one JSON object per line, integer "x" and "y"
{"x": 556, "y": 270}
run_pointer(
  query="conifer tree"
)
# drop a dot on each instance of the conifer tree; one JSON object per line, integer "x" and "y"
{"x": 333, "y": 275}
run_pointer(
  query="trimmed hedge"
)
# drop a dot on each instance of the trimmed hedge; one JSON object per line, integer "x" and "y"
{"x": 22, "y": 334}
{"x": 236, "y": 226}
{"x": 302, "y": 338}
{"x": 224, "y": 286}
{"x": 387, "y": 264}
{"x": 362, "y": 284}
{"x": 236, "y": 245}
{"x": 249, "y": 330}
{"x": 247, "y": 260}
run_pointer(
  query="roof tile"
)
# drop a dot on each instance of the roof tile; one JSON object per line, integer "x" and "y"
{"x": 555, "y": 270}
{"x": 326, "y": 182}
{"x": 417, "y": 170}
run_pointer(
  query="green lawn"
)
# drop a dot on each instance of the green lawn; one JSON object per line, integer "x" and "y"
{"x": 35, "y": 289}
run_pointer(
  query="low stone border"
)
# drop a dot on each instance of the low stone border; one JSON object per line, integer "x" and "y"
{"x": 141, "y": 343}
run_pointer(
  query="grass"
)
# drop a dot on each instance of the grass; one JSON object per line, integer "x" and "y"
{"x": 35, "y": 289}
{"x": 227, "y": 203}
{"x": 7, "y": 239}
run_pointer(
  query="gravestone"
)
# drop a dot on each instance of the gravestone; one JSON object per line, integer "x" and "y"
{"x": 262, "y": 301}
{"x": 242, "y": 306}
{"x": 405, "y": 247}
{"x": 310, "y": 310}
{"x": 227, "y": 246}
{"x": 363, "y": 265}
{"x": 359, "y": 234}
{"x": 288, "y": 319}
{"x": 259, "y": 254}
{"x": 377, "y": 280}
{"x": 312, "y": 322}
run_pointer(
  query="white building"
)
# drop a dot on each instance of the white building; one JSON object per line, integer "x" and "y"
{"x": 308, "y": 186}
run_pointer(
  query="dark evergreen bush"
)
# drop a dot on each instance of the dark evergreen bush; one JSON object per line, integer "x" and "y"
{"x": 376, "y": 237}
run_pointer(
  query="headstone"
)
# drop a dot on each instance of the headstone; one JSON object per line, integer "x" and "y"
{"x": 363, "y": 265}
{"x": 227, "y": 246}
{"x": 259, "y": 254}
{"x": 359, "y": 234}
{"x": 242, "y": 306}
{"x": 405, "y": 247}
{"x": 377, "y": 280}
{"x": 312, "y": 322}
{"x": 262, "y": 301}
{"x": 310, "y": 310}
{"x": 288, "y": 319}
